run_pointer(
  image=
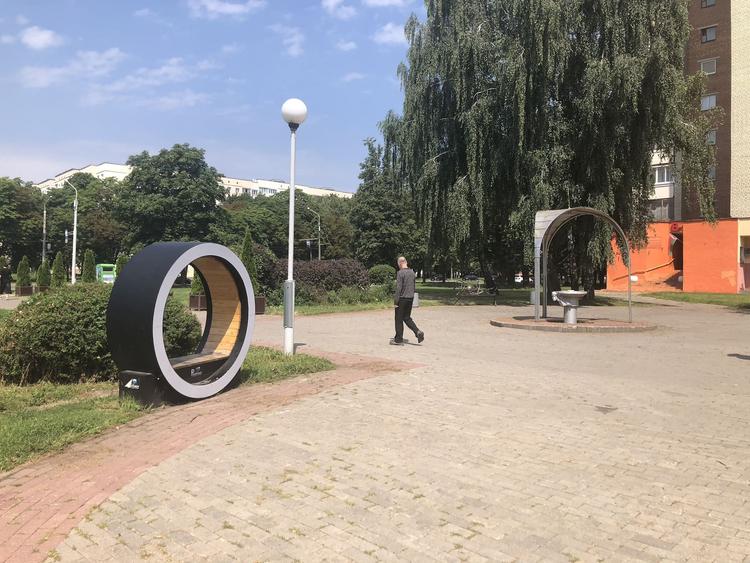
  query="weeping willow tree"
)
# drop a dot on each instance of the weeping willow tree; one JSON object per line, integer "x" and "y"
{"x": 512, "y": 106}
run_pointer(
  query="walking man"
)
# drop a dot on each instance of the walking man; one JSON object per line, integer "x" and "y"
{"x": 403, "y": 299}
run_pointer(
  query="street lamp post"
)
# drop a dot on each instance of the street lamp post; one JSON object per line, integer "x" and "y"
{"x": 75, "y": 234}
{"x": 44, "y": 232}
{"x": 294, "y": 112}
{"x": 318, "y": 216}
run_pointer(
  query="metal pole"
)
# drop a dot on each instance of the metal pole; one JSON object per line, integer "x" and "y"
{"x": 75, "y": 234}
{"x": 318, "y": 237}
{"x": 44, "y": 233}
{"x": 289, "y": 285}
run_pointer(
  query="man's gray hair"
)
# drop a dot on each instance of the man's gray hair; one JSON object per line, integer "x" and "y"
{"x": 400, "y": 260}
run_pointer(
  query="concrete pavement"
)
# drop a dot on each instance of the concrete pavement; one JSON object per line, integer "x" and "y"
{"x": 506, "y": 445}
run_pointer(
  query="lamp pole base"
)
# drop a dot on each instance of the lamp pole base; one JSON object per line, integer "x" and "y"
{"x": 288, "y": 341}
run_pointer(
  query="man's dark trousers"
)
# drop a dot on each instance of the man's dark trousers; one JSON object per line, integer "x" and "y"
{"x": 403, "y": 315}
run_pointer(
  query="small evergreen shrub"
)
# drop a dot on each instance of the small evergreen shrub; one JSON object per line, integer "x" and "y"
{"x": 43, "y": 275}
{"x": 60, "y": 336}
{"x": 58, "y": 271}
{"x": 382, "y": 274}
{"x": 122, "y": 259}
{"x": 23, "y": 274}
{"x": 88, "y": 274}
{"x": 196, "y": 286}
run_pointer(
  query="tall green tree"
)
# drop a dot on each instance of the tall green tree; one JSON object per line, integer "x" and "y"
{"x": 512, "y": 106}
{"x": 58, "y": 271}
{"x": 247, "y": 255}
{"x": 382, "y": 216}
{"x": 172, "y": 195}
{"x": 20, "y": 219}
{"x": 98, "y": 228}
{"x": 88, "y": 273}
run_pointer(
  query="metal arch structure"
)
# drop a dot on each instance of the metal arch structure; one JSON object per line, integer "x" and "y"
{"x": 546, "y": 225}
{"x": 135, "y": 317}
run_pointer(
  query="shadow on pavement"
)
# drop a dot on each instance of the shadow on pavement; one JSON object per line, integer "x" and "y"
{"x": 739, "y": 356}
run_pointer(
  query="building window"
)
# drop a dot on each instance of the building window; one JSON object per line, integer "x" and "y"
{"x": 708, "y": 3}
{"x": 662, "y": 209}
{"x": 663, "y": 174}
{"x": 708, "y": 66}
{"x": 708, "y": 102}
{"x": 712, "y": 173}
{"x": 711, "y": 137}
{"x": 708, "y": 34}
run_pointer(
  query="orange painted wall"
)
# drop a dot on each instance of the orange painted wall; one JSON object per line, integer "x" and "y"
{"x": 653, "y": 255}
{"x": 711, "y": 256}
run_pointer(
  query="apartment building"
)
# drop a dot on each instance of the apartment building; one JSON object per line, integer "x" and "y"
{"x": 233, "y": 186}
{"x": 684, "y": 253}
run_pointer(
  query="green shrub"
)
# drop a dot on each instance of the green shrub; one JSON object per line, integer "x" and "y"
{"x": 88, "y": 273}
{"x": 58, "y": 271}
{"x": 60, "y": 336}
{"x": 122, "y": 260}
{"x": 182, "y": 331}
{"x": 43, "y": 275}
{"x": 382, "y": 274}
{"x": 23, "y": 274}
{"x": 196, "y": 286}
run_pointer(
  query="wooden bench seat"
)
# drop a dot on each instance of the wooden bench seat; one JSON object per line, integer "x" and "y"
{"x": 192, "y": 360}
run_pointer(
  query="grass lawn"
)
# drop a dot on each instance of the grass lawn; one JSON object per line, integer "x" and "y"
{"x": 732, "y": 300}
{"x": 4, "y": 313}
{"x": 46, "y": 417}
{"x": 182, "y": 294}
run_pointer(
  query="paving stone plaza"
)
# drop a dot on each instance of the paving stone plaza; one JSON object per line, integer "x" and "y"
{"x": 482, "y": 444}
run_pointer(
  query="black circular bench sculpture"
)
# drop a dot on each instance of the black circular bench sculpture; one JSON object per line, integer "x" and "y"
{"x": 135, "y": 322}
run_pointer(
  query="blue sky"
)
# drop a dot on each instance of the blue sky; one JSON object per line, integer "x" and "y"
{"x": 86, "y": 81}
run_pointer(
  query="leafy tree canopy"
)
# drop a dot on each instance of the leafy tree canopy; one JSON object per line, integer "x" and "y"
{"x": 172, "y": 195}
{"x": 512, "y": 106}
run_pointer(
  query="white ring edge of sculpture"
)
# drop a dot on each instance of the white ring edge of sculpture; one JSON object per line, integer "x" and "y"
{"x": 203, "y": 250}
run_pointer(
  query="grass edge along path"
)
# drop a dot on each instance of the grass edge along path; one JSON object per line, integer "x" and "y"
{"x": 740, "y": 301}
{"x": 47, "y": 417}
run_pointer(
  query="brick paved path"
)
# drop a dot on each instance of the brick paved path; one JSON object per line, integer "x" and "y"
{"x": 41, "y": 502}
{"x": 506, "y": 445}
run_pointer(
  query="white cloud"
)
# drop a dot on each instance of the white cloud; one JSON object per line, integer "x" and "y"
{"x": 346, "y": 45}
{"x": 291, "y": 37}
{"x": 390, "y": 34}
{"x": 37, "y": 38}
{"x": 172, "y": 71}
{"x": 7, "y": 39}
{"x": 231, "y": 48}
{"x": 352, "y": 76}
{"x": 85, "y": 64}
{"x": 212, "y": 9}
{"x": 386, "y": 3}
{"x": 175, "y": 100}
{"x": 22, "y": 20}
{"x": 338, "y": 9}
{"x": 150, "y": 15}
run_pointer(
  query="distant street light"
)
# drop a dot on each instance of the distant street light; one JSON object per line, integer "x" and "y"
{"x": 294, "y": 112}
{"x": 75, "y": 234}
{"x": 44, "y": 232}
{"x": 318, "y": 216}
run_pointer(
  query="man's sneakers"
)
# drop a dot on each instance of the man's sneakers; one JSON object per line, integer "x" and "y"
{"x": 394, "y": 342}
{"x": 420, "y": 336}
